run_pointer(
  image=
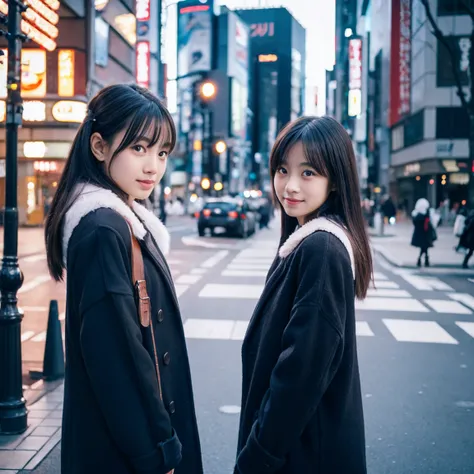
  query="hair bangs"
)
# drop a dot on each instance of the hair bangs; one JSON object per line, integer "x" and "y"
{"x": 152, "y": 124}
{"x": 314, "y": 149}
{"x": 282, "y": 147}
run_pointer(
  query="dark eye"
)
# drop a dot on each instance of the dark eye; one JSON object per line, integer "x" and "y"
{"x": 281, "y": 170}
{"x": 163, "y": 154}
{"x": 308, "y": 173}
{"x": 138, "y": 148}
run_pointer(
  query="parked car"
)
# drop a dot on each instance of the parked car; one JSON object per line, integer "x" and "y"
{"x": 233, "y": 216}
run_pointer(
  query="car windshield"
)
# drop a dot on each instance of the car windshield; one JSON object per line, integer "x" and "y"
{"x": 225, "y": 206}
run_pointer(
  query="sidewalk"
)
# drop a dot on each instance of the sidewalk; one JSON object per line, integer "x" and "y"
{"x": 31, "y": 239}
{"x": 395, "y": 247}
{"x": 27, "y": 451}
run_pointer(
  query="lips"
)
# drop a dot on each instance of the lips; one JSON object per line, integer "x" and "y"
{"x": 292, "y": 201}
{"x": 146, "y": 181}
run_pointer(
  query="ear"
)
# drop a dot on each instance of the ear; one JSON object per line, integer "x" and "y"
{"x": 98, "y": 146}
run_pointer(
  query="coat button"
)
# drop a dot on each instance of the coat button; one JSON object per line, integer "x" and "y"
{"x": 161, "y": 316}
{"x": 171, "y": 407}
{"x": 166, "y": 358}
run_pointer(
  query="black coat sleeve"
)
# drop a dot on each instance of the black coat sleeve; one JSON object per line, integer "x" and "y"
{"x": 121, "y": 371}
{"x": 311, "y": 350}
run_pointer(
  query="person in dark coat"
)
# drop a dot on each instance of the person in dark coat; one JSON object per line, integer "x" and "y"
{"x": 467, "y": 238}
{"x": 128, "y": 396}
{"x": 301, "y": 394}
{"x": 424, "y": 233}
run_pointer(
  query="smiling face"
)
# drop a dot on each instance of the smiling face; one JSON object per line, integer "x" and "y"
{"x": 299, "y": 188}
{"x": 138, "y": 168}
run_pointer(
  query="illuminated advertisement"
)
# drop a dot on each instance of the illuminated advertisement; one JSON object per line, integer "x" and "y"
{"x": 143, "y": 10}
{"x": 194, "y": 36}
{"x": 355, "y": 77}
{"x": 69, "y": 111}
{"x": 143, "y": 63}
{"x": 66, "y": 73}
{"x": 33, "y": 73}
{"x": 39, "y": 21}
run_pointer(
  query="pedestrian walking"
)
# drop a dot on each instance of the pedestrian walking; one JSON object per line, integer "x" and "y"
{"x": 128, "y": 397}
{"x": 467, "y": 238}
{"x": 301, "y": 395}
{"x": 424, "y": 233}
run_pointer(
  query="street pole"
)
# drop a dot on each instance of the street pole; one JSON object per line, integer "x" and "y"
{"x": 13, "y": 413}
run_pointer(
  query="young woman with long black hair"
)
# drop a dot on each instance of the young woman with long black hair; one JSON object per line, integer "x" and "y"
{"x": 301, "y": 395}
{"x": 128, "y": 398}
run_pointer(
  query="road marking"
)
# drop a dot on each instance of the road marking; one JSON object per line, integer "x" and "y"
{"x": 244, "y": 274}
{"x": 208, "y": 328}
{"x": 248, "y": 266}
{"x": 363, "y": 329}
{"x": 467, "y": 327}
{"x": 464, "y": 298}
{"x": 418, "y": 331}
{"x": 230, "y": 409}
{"x": 27, "y": 335}
{"x": 259, "y": 253}
{"x": 198, "y": 271}
{"x": 386, "y": 284}
{"x": 198, "y": 242}
{"x": 215, "y": 259}
{"x": 388, "y": 293}
{"x": 425, "y": 283}
{"x": 391, "y": 304}
{"x": 39, "y": 337}
{"x": 181, "y": 289}
{"x": 231, "y": 291}
{"x": 447, "y": 306}
{"x": 34, "y": 258}
{"x": 188, "y": 279}
{"x": 380, "y": 276}
{"x": 174, "y": 262}
{"x": 31, "y": 285}
{"x": 239, "y": 330}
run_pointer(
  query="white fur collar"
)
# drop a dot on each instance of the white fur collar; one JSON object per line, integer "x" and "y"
{"x": 318, "y": 224}
{"x": 91, "y": 198}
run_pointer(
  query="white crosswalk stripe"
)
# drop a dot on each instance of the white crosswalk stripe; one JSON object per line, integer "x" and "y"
{"x": 405, "y": 330}
{"x": 446, "y": 306}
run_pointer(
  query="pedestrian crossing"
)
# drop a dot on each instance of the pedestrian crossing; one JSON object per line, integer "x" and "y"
{"x": 243, "y": 279}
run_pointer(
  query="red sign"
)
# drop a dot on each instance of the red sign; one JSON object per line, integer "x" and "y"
{"x": 355, "y": 63}
{"x": 142, "y": 8}
{"x": 262, "y": 30}
{"x": 143, "y": 63}
{"x": 400, "y": 61}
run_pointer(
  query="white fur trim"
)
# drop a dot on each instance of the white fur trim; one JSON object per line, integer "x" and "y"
{"x": 315, "y": 225}
{"x": 90, "y": 198}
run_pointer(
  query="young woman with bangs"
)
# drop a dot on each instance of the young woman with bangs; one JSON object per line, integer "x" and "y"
{"x": 128, "y": 398}
{"x": 301, "y": 396}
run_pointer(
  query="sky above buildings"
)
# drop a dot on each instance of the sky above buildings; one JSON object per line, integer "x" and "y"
{"x": 316, "y": 16}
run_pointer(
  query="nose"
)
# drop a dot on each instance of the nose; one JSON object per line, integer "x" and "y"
{"x": 150, "y": 167}
{"x": 292, "y": 185}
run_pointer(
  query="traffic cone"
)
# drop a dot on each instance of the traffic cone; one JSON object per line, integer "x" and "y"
{"x": 53, "y": 361}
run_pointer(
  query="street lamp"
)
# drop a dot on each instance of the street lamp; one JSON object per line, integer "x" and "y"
{"x": 220, "y": 146}
{"x": 205, "y": 184}
{"x": 13, "y": 413}
{"x": 208, "y": 90}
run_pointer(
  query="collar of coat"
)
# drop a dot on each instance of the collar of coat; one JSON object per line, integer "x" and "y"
{"x": 91, "y": 197}
{"x": 319, "y": 224}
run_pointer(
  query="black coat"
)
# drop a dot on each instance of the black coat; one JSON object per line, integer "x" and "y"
{"x": 423, "y": 233}
{"x": 467, "y": 236}
{"x": 301, "y": 395}
{"x": 114, "y": 421}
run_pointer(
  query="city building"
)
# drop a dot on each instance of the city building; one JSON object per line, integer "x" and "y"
{"x": 429, "y": 128}
{"x": 82, "y": 51}
{"x": 277, "y": 80}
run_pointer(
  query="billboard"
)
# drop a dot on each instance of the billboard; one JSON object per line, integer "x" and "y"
{"x": 355, "y": 77}
{"x": 400, "y": 61}
{"x": 33, "y": 73}
{"x": 195, "y": 19}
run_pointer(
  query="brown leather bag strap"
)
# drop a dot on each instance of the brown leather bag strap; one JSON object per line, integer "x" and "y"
{"x": 143, "y": 300}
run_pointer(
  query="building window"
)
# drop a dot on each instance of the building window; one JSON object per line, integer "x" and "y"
{"x": 453, "y": 7}
{"x": 461, "y": 46}
{"x": 397, "y": 138}
{"x": 451, "y": 123}
{"x": 414, "y": 129}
